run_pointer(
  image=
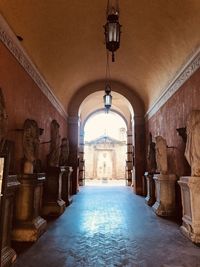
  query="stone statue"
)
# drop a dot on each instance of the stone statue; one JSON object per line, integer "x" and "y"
{"x": 31, "y": 143}
{"x": 151, "y": 156}
{"x": 192, "y": 151}
{"x": 3, "y": 120}
{"x": 161, "y": 155}
{"x": 38, "y": 162}
{"x": 64, "y": 152}
{"x": 53, "y": 157}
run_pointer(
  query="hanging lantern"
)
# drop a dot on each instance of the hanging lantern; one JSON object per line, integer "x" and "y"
{"x": 112, "y": 29}
{"x": 107, "y": 98}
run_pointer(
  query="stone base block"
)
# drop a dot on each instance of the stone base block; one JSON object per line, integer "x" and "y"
{"x": 187, "y": 231}
{"x": 66, "y": 185}
{"x": 150, "y": 198}
{"x": 165, "y": 195}
{"x": 8, "y": 256}
{"x": 149, "y": 201}
{"x": 190, "y": 195}
{"x": 54, "y": 209}
{"x": 68, "y": 201}
{"x": 29, "y": 231}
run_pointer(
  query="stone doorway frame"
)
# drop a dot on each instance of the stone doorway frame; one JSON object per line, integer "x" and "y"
{"x": 138, "y": 125}
{"x": 81, "y": 148}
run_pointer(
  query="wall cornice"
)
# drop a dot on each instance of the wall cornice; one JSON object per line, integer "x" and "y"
{"x": 185, "y": 73}
{"x": 9, "y": 39}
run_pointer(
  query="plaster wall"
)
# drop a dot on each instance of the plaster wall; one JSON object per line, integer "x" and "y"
{"x": 25, "y": 100}
{"x": 173, "y": 115}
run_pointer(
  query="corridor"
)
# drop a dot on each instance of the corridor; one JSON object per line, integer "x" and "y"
{"x": 110, "y": 226}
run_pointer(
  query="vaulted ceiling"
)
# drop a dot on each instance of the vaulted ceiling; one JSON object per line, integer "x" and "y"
{"x": 65, "y": 39}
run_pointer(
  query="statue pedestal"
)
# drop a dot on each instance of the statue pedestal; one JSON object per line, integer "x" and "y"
{"x": 150, "y": 198}
{"x": 53, "y": 204}
{"x": 8, "y": 255}
{"x": 66, "y": 185}
{"x": 165, "y": 194}
{"x": 190, "y": 195}
{"x": 133, "y": 179}
{"x": 28, "y": 225}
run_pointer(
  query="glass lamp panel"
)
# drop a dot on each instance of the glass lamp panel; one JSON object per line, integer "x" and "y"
{"x": 118, "y": 32}
{"x": 112, "y": 32}
{"x": 108, "y": 100}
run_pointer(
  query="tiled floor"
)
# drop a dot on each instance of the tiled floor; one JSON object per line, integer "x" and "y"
{"x": 110, "y": 226}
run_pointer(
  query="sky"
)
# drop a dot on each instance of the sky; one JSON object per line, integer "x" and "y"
{"x": 103, "y": 123}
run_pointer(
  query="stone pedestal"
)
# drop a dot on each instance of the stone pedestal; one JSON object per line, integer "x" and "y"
{"x": 28, "y": 225}
{"x": 190, "y": 194}
{"x": 53, "y": 204}
{"x": 133, "y": 178}
{"x": 8, "y": 255}
{"x": 144, "y": 186}
{"x": 66, "y": 185}
{"x": 165, "y": 194}
{"x": 129, "y": 168}
{"x": 150, "y": 198}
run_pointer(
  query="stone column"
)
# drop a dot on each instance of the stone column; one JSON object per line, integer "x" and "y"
{"x": 95, "y": 164}
{"x": 114, "y": 174}
{"x": 190, "y": 194}
{"x": 139, "y": 144}
{"x": 28, "y": 225}
{"x": 73, "y": 136}
{"x": 133, "y": 178}
{"x": 129, "y": 162}
{"x": 81, "y": 160}
{"x": 165, "y": 194}
{"x": 150, "y": 198}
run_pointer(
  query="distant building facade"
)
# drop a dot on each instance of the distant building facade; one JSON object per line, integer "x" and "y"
{"x": 105, "y": 158}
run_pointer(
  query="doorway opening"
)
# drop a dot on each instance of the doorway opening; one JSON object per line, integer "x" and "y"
{"x": 105, "y": 149}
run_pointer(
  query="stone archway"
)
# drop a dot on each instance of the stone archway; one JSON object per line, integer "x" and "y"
{"x": 138, "y": 124}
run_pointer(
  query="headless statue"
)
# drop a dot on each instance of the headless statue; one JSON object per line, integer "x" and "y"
{"x": 64, "y": 152}
{"x": 53, "y": 157}
{"x": 31, "y": 143}
{"x": 192, "y": 151}
{"x": 161, "y": 155}
{"x": 151, "y": 155}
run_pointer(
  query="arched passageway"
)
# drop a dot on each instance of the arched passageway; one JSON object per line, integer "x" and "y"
{"x": 136, "y": 125}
